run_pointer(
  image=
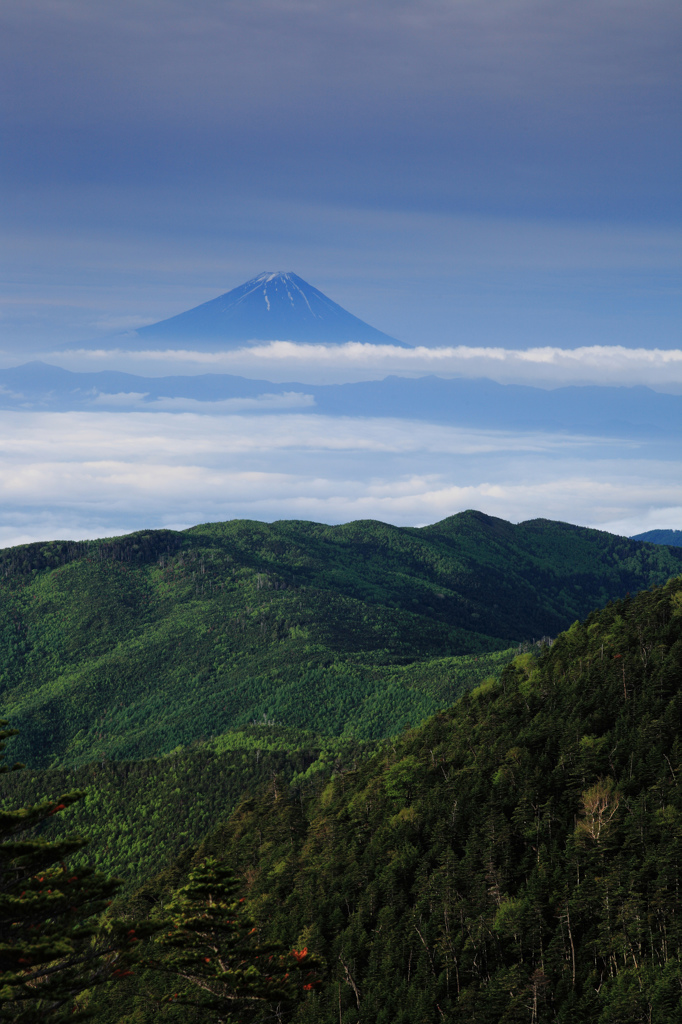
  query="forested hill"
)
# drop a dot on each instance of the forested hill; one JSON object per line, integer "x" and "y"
{"x": 129, "y": 647}
{"x": 518, "y": 858}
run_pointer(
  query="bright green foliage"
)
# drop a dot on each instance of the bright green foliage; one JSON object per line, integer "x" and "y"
{"x": 214, "y": 958}
{"x": 141, "y": 815}
{"x": 516, "y": 858}
{"x": 51, "y": 944}
{"x": 128, "y": 648}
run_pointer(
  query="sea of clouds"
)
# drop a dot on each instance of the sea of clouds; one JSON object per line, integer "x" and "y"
{"x": 546, "y": 366}
{"x": 89, "y": 474}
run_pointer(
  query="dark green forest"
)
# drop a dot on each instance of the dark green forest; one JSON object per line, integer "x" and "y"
{"x": 269, "y": 699}
{"x": 518, "y": 857}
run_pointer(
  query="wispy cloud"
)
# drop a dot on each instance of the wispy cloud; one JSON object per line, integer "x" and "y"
{"x": 120, "y": 400}
{"x": 280, "y": 360}
{"x": 144, "y": 438}
{"x": 265, "y": 402}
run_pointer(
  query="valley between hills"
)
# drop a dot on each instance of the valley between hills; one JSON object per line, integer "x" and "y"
{"x": 443, "y": 760}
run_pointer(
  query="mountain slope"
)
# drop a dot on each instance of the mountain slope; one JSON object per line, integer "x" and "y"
{"x": 129, "y": 647}
{"x": 271, "y": 307}
{"x": 517, "y": 858}
{"x": 139, "y": 815}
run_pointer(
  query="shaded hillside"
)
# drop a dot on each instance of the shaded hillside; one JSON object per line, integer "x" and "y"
{"x": 127, "y": 647}
{"x": 516, "y": 858}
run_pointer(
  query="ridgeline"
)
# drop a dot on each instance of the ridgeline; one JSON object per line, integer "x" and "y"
{"x": 130, "y": 647}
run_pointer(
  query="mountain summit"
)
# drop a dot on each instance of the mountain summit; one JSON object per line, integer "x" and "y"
{"x": 271, "y": 307}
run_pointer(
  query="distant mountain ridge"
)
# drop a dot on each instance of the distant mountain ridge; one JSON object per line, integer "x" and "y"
{"x": 671, "y": 537}
{"x": 479, "y": 403}
{"x": 475, "y": 402}
{"x": 277, "y": 306}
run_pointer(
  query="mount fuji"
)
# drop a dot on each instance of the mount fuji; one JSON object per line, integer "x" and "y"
{"x": 271, "y": 307}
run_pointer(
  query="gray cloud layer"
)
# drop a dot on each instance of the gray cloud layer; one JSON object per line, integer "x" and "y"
{"x": 486, "y": 104}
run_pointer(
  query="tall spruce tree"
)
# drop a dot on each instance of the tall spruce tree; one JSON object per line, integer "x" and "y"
{"x": 218, "y": 965}
{"x": 53, "y": 944}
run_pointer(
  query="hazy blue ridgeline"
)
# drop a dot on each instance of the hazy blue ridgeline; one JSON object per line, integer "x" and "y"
{"x": 478, "y": 403}
{"x": 671, "y": 537}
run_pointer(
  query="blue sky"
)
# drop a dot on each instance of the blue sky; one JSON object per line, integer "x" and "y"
{"x": 481, "y": 172}
{"x": 497, "y": 181}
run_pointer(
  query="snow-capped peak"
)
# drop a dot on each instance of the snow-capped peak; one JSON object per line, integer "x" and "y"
{"x": 274, "y": 306}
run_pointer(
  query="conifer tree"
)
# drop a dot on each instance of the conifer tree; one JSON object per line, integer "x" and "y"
{"x": 219, "y": 966}
{"x": 52, "y": 944}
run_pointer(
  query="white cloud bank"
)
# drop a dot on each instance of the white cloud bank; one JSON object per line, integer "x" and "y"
{"x": 96, "y": 474}
{"x": 285, "y": 360}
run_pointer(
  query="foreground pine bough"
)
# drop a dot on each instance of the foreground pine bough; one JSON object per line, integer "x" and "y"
{"x": 54, "y": 942}
{"x": 60, "y": 943}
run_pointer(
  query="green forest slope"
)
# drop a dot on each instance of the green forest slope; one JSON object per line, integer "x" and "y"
{"x": 517, "y": 858}
{"x": 131, "y": 647}
{"x": 141, "y": 815}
